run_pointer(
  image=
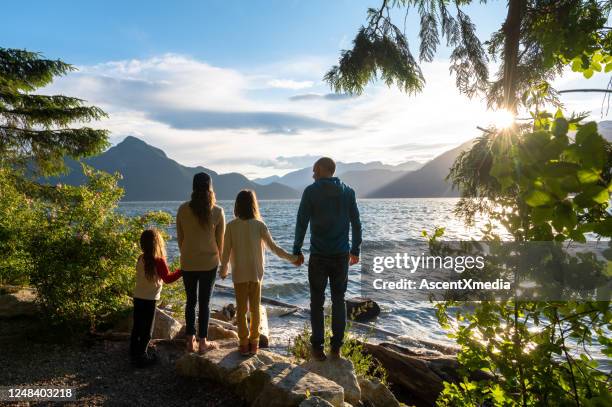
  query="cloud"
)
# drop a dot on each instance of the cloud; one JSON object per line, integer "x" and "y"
{"x": 290, "y": 84}
{"x": 233, "y": 120}
{"x": 292, "y": 162}
{"x": 268, "y": 122}
{"x": 317, "y": 96}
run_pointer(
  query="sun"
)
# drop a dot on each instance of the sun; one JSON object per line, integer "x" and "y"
{"x": 501, "y": 119}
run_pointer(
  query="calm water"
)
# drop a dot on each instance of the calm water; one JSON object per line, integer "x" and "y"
{"x": 382, "y": 219}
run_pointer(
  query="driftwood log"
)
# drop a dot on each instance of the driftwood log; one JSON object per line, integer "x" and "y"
{"x": 421, "y": 375}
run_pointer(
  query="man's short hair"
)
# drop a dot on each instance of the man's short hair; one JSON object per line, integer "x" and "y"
{"x": 327, "y": 164}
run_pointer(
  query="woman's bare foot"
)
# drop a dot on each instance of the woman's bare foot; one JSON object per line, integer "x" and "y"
{"x": 190, "y": 341}
{"x": 206, "y": 345}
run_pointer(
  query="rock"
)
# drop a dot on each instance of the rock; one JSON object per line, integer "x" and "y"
{"x": 19, "y": 303}
{"x": 422, "y": 376}
{"x": 216, "y": 332}
{"x": 315, "y": 402}
{"x": 227, "y": 313}
{"x": 376, "y": 394}
{"x": 266, "y": 379}
{"x": 362, "y": 309}
{"x": 166, "y": 327}
{"x": 225, "y": 364}
{"x": 340, "y": 371}
{"x": 285, "y": 384}
{"x": 224, "y": 324}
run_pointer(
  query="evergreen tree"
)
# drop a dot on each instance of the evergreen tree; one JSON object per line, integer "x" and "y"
{"x": 537, "y": 180}
{"x": 537, "y": 39}
{"x": 35, "y": 129}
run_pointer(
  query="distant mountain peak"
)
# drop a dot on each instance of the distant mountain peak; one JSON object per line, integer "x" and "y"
{"x": 132, "y": 143}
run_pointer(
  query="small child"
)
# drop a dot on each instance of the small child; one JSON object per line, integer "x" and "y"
{"x": 151, "y": 273}
{"x": 244, "y": 246}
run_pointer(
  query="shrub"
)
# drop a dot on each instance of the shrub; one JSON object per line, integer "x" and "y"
{"x": 19, "y": 218}
{"x": 84, "y": 252}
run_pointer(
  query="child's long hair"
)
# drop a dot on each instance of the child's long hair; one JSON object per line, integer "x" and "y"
{"x": 202, "y": 198}
{"x": 153, "y": 247}
{"x": 246, "y": 206}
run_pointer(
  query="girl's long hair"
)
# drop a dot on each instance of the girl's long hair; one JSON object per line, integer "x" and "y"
{"x": 246, "y": 206}
{"x": 202, "y": 201}
{"x": 153, "y": 247}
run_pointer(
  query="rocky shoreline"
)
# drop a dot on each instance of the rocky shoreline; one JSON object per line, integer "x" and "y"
{"x": 416, "y": 372}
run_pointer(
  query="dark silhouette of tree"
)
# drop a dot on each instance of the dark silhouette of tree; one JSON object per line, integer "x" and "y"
{"x": 35, "y": 130}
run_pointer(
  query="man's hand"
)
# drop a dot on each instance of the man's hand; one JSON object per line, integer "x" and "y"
{"x": 353, "y": 259}
{"x": 299, "y": 261}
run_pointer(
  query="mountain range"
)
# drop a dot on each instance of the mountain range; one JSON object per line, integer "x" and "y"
{"x": 150, "y": 175}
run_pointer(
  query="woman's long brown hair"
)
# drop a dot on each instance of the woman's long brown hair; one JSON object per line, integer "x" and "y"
{"x": 202, "y": 201}
{"x": 246, "y": 206}
{"x": 153, "y": 247}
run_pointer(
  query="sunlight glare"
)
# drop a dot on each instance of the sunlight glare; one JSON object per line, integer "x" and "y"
{"x": 501, "y": 119}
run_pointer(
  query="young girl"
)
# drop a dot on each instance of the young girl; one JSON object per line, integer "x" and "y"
{"x": 151, "y": 273}
{"x": 244, "y": 246}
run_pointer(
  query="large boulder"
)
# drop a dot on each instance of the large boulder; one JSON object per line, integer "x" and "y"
{"x": 225, "y": 364}
{"x": 423, "y": 376}
{"x": 340, "y": 371}
{"x": 285, "y": 384}
{"x": 362, "y": 309}
{"x": 20, "y": 302}
{"x": 217, "y": 332}
{"x": 376, "y": 394}
{"x": 266, "y": 379}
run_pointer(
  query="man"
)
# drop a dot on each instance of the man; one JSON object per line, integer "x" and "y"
{"x": 331, "y": 208}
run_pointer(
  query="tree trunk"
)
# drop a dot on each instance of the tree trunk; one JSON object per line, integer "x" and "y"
{"x": 512, "y": 31}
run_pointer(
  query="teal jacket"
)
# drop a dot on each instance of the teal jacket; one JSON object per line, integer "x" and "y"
{"x": 331, "y": 209}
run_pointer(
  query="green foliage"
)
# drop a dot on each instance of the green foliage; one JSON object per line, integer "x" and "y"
{"x": 380, "y": 50}
{"x": 20, "y": 216}
{"x": 34, "y": 128}
{"x": 541, "y": 184}
{"x": 352, "y": 349}
{"x": 549, "y": 35}
{"x": 72, "y": 245}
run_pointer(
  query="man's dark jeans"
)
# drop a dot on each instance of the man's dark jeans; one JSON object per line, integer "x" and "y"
{"x": 199, "y": 286}
{"x": 320, "y": 269}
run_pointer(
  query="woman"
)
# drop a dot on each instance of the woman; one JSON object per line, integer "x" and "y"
{"x": 200, "y": 225}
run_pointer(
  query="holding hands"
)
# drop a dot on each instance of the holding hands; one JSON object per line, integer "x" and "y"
{"x": 223, "y": 272}
{"x": 299, "y": 261}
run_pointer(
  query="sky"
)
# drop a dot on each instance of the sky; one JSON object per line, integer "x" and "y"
{"x": 237, "y": 86}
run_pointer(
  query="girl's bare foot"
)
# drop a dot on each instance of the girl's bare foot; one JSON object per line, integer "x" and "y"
{"x": 190, "y": 341}
{"x": 206, "y": 345}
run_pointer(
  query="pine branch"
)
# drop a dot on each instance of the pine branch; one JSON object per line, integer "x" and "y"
{"x": 26, "y": 71}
